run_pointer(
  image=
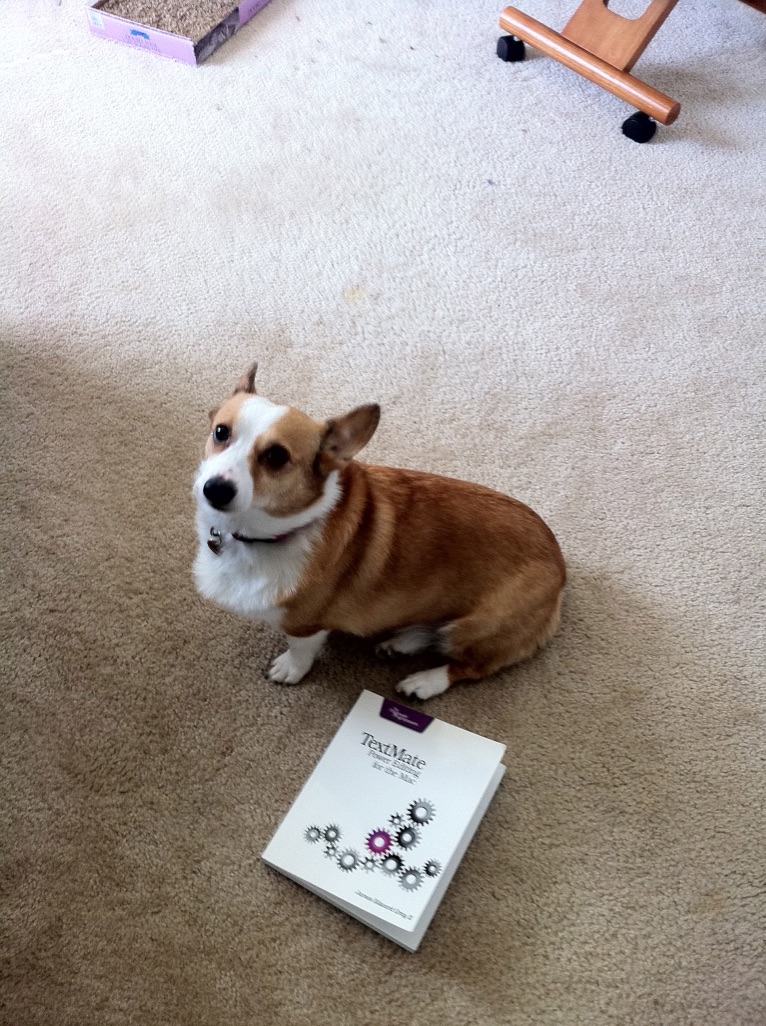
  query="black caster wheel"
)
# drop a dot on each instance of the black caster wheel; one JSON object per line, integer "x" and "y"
{"x": 639, "y": 127}
{"x": 509, "y": 48}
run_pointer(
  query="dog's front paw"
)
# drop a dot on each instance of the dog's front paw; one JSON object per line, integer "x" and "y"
{"x": 286, "y": 669}
{"x": 425, "y": 684}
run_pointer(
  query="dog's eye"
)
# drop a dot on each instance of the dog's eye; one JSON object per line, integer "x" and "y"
{"x": 221, "y": 433}
{"x": 275, "y": 456}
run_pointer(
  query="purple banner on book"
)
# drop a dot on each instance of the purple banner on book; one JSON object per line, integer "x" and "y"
{"x": 404, "y": 716}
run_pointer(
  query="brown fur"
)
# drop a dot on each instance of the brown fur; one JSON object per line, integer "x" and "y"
{"x": 290, "y": 489}
{"x": 405, "y": 548}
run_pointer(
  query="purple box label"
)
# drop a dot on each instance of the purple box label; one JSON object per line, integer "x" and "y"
{"x": 109, "y": 26}
{"x": 404, "y": 716}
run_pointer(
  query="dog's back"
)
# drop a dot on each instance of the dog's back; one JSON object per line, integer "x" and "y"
{"x": 404, "y": 548}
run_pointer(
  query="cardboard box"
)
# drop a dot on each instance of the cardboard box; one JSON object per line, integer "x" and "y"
{"x": 181, "y": 48}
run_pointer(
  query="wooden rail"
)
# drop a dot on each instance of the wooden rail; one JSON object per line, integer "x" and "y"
{"x": 620, "y": 83}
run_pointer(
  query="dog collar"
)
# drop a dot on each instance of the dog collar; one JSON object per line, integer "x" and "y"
{"x": 252, "y": 541}
{"x": 215, "y": 540}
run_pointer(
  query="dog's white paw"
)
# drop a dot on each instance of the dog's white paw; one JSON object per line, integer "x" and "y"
{"x": 425, "y": 684}
{"x": 415, "y": 639}
{"x": 287, "y": 669}
{"x": 293, "y": 665}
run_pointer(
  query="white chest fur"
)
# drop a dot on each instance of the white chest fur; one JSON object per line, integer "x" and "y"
{"x": 250, "y": 580}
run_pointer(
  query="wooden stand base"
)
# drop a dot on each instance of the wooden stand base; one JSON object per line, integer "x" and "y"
{"x": 603, "y": 47}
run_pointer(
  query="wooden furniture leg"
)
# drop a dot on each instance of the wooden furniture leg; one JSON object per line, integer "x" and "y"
{"x": 603, "y": 47}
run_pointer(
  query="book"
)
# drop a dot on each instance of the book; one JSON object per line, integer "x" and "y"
{"x": 382, "y": 823}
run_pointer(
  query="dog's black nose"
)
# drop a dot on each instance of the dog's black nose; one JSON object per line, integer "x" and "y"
{"x": 219, "y": 492}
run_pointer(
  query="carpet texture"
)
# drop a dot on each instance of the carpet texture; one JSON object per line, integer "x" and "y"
{"x": 370, "y": 203}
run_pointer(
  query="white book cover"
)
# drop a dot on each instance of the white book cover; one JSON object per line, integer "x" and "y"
{"x": 381, "y": 824}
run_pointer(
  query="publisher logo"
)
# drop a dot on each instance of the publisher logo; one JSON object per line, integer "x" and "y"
{"x": 404, "y": 716}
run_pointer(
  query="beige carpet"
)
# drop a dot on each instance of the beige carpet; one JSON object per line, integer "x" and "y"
{"x": 366, "y": 200}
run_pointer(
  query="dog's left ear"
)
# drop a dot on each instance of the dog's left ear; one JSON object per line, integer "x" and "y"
{"x": 247, "y": 382}
{"x": 346, "y": 436}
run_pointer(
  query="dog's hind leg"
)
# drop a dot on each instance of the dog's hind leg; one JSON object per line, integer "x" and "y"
{"x": 507, "y": 627}
{"x": 407, "y": 642}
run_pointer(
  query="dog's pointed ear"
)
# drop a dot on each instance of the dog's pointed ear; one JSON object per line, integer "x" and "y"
{"x": 346, "y": 436}
{"x": 247, "y": 382}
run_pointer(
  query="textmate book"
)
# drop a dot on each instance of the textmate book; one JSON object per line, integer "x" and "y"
{"x": 382, "y": 823}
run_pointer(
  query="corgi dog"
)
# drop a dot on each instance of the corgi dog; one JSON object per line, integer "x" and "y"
{"x": 296, "y": 532}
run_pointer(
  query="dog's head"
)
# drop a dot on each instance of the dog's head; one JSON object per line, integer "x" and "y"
{"x": 268, "y": 466}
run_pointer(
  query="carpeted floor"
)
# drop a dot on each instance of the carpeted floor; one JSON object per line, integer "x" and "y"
{"x": 366, "y": 200}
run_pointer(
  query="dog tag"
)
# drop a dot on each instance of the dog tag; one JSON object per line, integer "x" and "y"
{"x": 215, "y": 541}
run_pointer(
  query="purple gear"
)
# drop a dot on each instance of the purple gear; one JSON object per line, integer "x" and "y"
{"x": 379, "y": 841}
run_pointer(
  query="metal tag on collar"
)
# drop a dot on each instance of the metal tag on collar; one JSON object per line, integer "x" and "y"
{"x": 215, "y": 541}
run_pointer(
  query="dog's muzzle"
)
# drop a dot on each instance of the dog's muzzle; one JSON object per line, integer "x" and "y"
{"x": 219, "y": 492}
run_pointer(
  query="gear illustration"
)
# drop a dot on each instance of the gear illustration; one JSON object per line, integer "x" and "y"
{"x": 379, "y": 841}
{"x": 332, "y": 833}
{"x": 348, "y": 860}
{"x": 397, "y": 820}
{"x": 407, "y": 837}
{"x": 313, "y": 834}
{"x": 391, "y": 865}
{"x": 369, "y": 864}
{"x": 422, "y": 811}
{"x": 331, "y": 850}
{"x": 410, "y": 878}
{"x": 432, "y": 868}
